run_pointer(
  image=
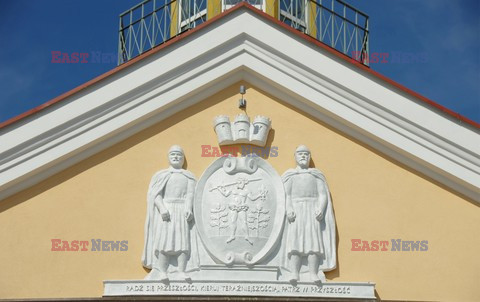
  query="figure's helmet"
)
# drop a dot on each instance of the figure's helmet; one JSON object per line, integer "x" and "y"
{"x": 176, "y": 156}
{"x": 302, "y": 156}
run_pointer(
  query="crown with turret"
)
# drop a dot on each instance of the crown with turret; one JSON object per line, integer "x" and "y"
{"x": 241, "y": 131}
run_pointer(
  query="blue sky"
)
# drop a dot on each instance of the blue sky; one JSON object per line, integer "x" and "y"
{"x": 445, "y": 33}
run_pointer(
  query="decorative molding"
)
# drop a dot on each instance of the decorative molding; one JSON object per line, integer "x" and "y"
{"x": 243, "y": 46}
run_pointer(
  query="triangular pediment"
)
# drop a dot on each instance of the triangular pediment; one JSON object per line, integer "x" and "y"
{"x": 242, "y": 45}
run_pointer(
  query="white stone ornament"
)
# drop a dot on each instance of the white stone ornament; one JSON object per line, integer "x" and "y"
{"x": 310, "y": 231}
{"x": 261, "y": 128}
{"x": 223, "y": 128}
{"x": 241, "y": 127}
{"x": 254, "y": 233}
{"x": 168, "y": 226}
{"x": 241, "y": 131}
{"x": 239, "y": 210}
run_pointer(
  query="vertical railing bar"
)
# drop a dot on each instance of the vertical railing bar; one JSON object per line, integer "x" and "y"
{"x": 321, "y": 20}
{"x": 154, "y": 16}
{"x": 344, "y": 29}
{"x": 356, "y": 31}
{"x": 279, "y": 9}
{"x": 295, "y": 13}
{"x": 142, "y": 22}
{"x": 333, "y": 24}
{"x": 119, "y": 54}
{"x": 189, "y": 11}
{"x": 308, "y": 15}
{"x": 180, "y": 14}
{"x": 176, "y": 14}
{"x": 130, "y": 37}
{"x": 160, "y": 25}
{"x": 293, "y": 10}
{"x": 164, "y": 37}
{"x": 366, "y": 41}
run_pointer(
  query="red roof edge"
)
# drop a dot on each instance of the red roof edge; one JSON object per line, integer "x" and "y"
{"x": 213, "y": 20}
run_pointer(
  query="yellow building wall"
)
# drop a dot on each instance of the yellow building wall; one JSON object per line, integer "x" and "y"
{"x": 271, "y": 8}
{"x": 374, "y": 197}
{"x": 174, "y": 8}
{"x": 214, "y": 7}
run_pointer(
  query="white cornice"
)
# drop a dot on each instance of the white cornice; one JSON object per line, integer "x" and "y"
{"x": 242, "y": 46}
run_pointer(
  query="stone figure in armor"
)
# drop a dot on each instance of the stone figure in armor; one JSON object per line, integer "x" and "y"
{"x": 169, "y": 219}
{"x": 310, "y": 228}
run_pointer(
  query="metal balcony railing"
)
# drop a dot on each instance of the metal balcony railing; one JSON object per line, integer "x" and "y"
{"x": 333, "y": 22}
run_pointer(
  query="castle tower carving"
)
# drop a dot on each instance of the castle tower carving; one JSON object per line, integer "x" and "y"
{"x": 241, "y": 131}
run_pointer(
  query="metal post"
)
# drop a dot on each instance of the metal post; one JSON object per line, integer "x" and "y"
{"x": 154, "y": 17}
{"x": 321, "y": 21}
{"x": 344, "y": 29}
{"x": 279, "y": 9}
{"x": 142, "y": 22}
{"x": 366, "y": 42}
{"x": 129, "y": 55}
{"x": 333, "y": 24}
{"x": 165, "y": 10}
{"x": 356, "y": 32}
{"x": 119, "y": 40}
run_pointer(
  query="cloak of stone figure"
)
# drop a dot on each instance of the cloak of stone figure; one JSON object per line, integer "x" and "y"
{"x": 327, "y": 225}
{"x": 310, "y": 226}
{"x": 185, "y": 239}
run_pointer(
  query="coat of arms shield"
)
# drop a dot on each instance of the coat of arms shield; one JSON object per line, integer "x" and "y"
{"x": 239, "y": 209}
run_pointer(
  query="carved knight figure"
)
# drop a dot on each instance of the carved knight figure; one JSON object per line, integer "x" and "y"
{"x": 169, "y": 219}
{"x": 239, "y": 206}
{"x": 311, "y": 223}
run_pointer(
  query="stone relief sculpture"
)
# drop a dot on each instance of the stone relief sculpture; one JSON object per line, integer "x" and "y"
{"x": 256, "y": 233}
{"x": 241, "y": 130}
{"x": 239, "y": 205}
{"x": 239, "y": 198}
{"x": 259, "y": 234}
{"x": 168, "y": 226}
{"x": 310, "y": 231}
